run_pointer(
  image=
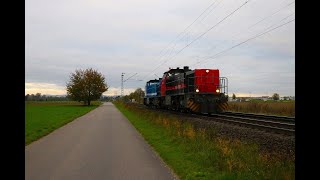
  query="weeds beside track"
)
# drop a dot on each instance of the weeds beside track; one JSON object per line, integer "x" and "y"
{"x": 198, "y": 153}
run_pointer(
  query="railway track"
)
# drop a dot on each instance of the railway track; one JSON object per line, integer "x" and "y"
{"x": 262, "y": 116}
{"x": 269, "y": 123}
{"x": 279, "y": 124}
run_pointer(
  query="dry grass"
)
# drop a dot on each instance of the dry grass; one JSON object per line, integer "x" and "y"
{"x": 196, "y": 153}
{"x": 272, "y": 108}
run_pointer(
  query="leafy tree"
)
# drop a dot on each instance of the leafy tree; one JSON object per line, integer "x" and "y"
{"x": 38, "y": 96}
{"x": 233, "y": 96}
{"x": 275, "y": 96}
{"x": 31, "y": 97}
{"x": 137, "y": 95}
{"x": 86, "y": 85}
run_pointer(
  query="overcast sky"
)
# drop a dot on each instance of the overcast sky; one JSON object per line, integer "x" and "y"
{"x": 149, "y": 36}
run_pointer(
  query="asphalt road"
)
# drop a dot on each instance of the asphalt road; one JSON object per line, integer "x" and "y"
{"x": 99, "y": 145}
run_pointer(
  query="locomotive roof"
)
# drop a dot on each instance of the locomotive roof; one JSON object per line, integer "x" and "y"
{"x": 153, "y": 81}
{"x": 172, "y": 71}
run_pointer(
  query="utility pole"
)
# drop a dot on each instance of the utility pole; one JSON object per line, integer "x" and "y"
{"x": 122, "y": 74}
{"x": 122, "y": 81}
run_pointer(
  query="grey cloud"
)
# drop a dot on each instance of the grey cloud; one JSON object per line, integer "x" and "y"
{"x": 127, "y": 36}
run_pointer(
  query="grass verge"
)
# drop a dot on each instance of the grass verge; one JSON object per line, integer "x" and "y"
{"x": 271, "y": 108}
{"x": 41, "y": 118}
{"x": 200, "y": 154}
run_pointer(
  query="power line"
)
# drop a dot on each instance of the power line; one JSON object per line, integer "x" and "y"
{"x": 179, "y": 39}
{"x": 271, "y": 14}
{"x": 190, "y": 25}
{"x": 258, "y": 23}
{"x": 209, "y": 29}
{"x": 204, "y": 16}
{"x": 202, "y": 34}
{"x": 210, "y": 11}
{"x": 248, "y": 28}
{"x": 130, "y": 77}
{"x": 265, "y": 19}
{"x": 240, "y": 33}
{"x": 254, "y": 37}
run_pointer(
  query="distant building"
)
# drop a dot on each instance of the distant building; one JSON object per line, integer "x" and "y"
{"x": 262, "y": 98}
{"x": 265, "y": 98}
{"x": 287, "y": 98}
{"x": 292, "y": 98}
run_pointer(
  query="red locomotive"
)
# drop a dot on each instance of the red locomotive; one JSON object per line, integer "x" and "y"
{"x": 198, "y": 90}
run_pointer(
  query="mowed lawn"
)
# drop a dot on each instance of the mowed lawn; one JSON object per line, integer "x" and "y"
{"x": 43, "y": 117}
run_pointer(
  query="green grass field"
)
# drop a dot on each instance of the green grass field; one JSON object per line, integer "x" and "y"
{"x": 43, "y": 117}
{"x": 200, "y": 154}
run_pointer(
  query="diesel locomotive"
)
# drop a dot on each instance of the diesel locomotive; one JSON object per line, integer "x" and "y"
{"x": 198, "y": 91}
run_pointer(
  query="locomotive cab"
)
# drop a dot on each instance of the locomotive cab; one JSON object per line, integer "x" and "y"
{"x": 207, "y": 91}
{"x": 152, "y": 91}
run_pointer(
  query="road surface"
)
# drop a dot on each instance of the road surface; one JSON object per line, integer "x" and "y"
{"x": 99, "y": 145}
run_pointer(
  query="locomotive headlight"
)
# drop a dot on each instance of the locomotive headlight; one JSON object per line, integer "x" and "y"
{"x": 207, "y": 70}
{"x": 217, "y": 90}
{"x": 197, "y": 90}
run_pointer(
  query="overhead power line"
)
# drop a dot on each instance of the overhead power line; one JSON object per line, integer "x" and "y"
{"x": 130, "y": 77}
{"x": 254, "y": 37}
{"x": 213, "y": 26}
{"x": 179, "y": 36}
{"x": 235, "y": 35}
{"x": 209, "y": 29}
{"x": 240, "y": 33}
{"x": 202, "y": 18}
{"x": 200, "y": 36}
{"x": 189, "y": 25}
{"x": 272, "y": 14}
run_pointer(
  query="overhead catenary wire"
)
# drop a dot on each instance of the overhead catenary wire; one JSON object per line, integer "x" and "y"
{"x": 251, "y": 26}
{"x": 202, "y": 34}
{"x": 209, "y": 30}
{"x": 189, "y": 25}
{"x": 205, "y": 58}
{"x": 254, "y": 37}
{"x": 210, "y": 11}
{"x": 130, "y": 77}
{"x": 179, "y": 36}
{"x": 263, "y": 19}
{"x": 202, "y": 18}
{"x": 212, "y": 27}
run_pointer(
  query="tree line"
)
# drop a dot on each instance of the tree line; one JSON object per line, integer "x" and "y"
{"x": 39, "y": 97}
